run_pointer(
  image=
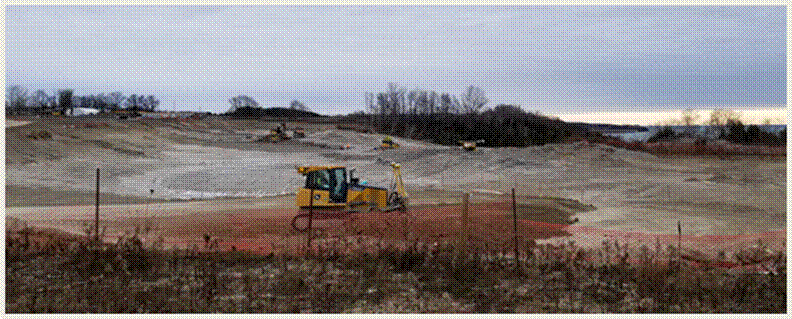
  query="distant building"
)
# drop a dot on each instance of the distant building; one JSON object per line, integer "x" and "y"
{"x": 81, "y": 111}
{"x": 167, "y": 115}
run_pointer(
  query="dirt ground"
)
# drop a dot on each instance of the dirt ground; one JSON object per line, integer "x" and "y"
{"x": 212, "y": 176}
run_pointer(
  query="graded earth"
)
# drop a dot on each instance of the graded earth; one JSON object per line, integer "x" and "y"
{"x": 215, "y": 176}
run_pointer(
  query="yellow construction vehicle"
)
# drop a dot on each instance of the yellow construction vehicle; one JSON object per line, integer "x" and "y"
{"x": 470, "y": 145}
{"x": 388, "y": 142}
{"x": 298, "y": 132}
{"x": 336, "y": 197}
{"x": 275, "y": 135}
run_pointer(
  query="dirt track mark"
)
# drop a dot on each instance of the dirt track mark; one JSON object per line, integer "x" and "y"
{"x": 110, "y": 146}
{"x": 14, "y": 123}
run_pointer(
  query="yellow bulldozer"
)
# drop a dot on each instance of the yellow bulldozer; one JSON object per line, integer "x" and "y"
{"x": 328, "y": 194}
{"x": 388, "y": 142}
{"x": 276, "y": 135}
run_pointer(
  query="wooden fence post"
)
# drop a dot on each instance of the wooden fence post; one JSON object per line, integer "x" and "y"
{"x": 96, "y": 215}
{"x": 464, "y": 231}
{"x": 310, "y": 220}
{"x": 514, "y": 213}
{"x": 679, "y": 238}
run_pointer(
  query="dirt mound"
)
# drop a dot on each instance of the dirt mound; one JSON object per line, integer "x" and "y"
{"x": 359, "y": 142}
{"x": 453, "y": 167}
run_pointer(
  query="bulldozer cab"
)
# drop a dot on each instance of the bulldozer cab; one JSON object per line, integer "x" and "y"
{"x": 332, "y": 180}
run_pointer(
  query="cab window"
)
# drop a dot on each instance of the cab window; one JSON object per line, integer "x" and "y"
{"x": 319, "y": 180}
{"x": 338, "y": 194}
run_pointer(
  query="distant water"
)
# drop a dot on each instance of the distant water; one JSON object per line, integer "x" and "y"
{"x": 698, "y": 130}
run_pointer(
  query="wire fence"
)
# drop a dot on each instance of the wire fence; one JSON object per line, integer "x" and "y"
{"x": 511, "y": 226}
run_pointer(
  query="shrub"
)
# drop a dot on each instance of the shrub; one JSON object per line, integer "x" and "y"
{"x": 131, "y": 277}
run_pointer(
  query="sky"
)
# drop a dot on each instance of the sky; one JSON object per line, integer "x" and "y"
{"x": 561, "y": 59}
{"x": 772, "y": 116}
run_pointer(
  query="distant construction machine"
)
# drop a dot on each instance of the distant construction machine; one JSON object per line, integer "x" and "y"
{"x": 298, "y": 132}
{"x": 388, "y": 142}
{"x": 276, "y": 135}
{"x": 335, "y": 197}
{"x": 470, "y": 145}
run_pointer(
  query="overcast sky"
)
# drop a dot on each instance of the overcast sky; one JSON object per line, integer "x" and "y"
{"x": 551, "y": 59}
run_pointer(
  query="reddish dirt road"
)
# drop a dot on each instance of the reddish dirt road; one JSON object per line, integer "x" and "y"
{"x": 263, "y": 226}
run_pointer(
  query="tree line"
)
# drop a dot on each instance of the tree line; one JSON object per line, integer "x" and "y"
{"x": 726, "y": 125}
{"x": 444, "y": 118}
{"x": 246, "y": 106}
{"x": 19, "y": 99}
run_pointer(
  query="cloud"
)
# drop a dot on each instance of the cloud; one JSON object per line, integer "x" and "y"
{"x": 762, "y": 115}
{"x": 540, "y": 57}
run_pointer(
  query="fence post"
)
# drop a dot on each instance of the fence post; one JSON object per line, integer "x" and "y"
{"x": 679, "y": 238}
{"x": 464, "y": 232}
{"x": 514, "y": 213}
{"x": 96, "y": 215}
{"x": 310, "y": 220}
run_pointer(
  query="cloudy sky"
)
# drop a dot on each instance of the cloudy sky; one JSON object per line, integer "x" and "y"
{"x": 550, "y": 59}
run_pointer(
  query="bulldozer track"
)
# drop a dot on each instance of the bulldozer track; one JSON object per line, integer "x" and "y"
{"x": 352, "y": 217}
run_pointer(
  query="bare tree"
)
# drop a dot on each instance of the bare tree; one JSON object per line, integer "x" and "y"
{"x": 473, "y": 100}
{"x": 371, "y": 106}
{"x": 17, "y": 96}
{"x": 135, "y": 102}
{"x": 720, "y": 117}
{"x": 771, "y": 121}
{"x": 371, "y": 109}
{"x": 383, "y": 106}
{"x": 151, "y": 103}
{"x": 389, "y": 105}
{"x": 52, "y": 102}
{"x": 297, "y": 105}
{"x": 144, "y": 103}
{"x": 65, "y": 100}
{"x": 398, "y": 112}
{"x": 689, "y": 118}
{"x": 432, "y": 102}
{"x": 40, "y": 99}
{"x": 412, "y": 101}
{"x": 507, "y": 110}
{"x": 241, "y": 101}
{"x": 449, "y": 104}
{"x": 89, "y": 101}
{"x": 421, "y": 101}
{"x": 78, "y": 101}
{"x": 102, "y": 101}
{"x": 396, "y": 98}
{"x": 116, "y": 100}
{"x": 98, "y": 102}
{"x": 155, "y": 102}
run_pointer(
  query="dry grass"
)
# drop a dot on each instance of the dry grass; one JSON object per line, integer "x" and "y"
{"x": 368, "y": 274}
